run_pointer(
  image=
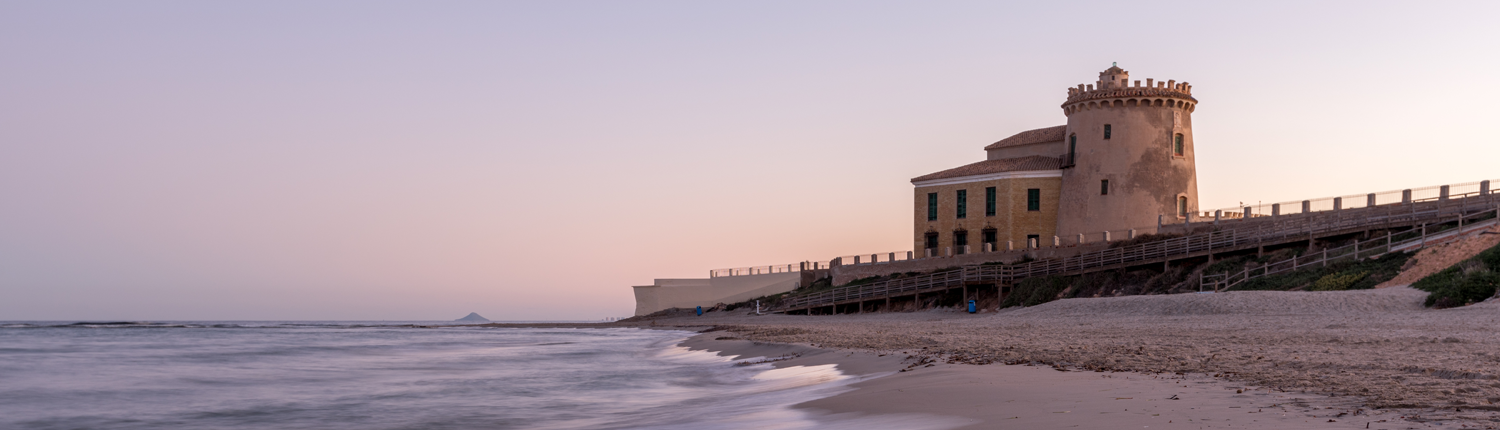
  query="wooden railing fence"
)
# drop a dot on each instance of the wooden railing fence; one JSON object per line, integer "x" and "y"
{"x": 1372, "y": 248}
{"x": 1246, "y": 233}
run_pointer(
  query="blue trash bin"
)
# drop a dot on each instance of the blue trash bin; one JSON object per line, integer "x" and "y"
{"x": 972, "y": 308}
{"x": 700, "y": 311}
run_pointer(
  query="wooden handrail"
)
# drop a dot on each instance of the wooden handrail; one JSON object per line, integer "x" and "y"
{"x": 1264, "y": 231}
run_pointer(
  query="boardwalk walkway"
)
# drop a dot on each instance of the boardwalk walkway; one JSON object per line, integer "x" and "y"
{"x": 1232, "y": 236}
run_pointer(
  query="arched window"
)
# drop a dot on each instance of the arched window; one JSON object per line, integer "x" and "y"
{"x": 1177, "y": 145}
{"x": 1106, "y": 131}
{"x": 1182, "y": 209}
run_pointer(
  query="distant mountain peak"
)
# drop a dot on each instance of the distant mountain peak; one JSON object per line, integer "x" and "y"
{"x": 473, "y": 317}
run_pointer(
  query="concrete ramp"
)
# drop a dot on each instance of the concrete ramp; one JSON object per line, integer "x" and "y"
{"x": 706, "y": 292}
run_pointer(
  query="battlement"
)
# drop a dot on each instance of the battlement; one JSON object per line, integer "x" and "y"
{"x": 1104, "y": 94}
{"x": 1114, "y": 83}
{"x": 1151, "y": 88}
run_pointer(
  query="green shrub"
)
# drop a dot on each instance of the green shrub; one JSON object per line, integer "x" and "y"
{"x": 1469, "y": 281}
{"x": 1340, "y": 275}
{"x": 1338, "y": 281}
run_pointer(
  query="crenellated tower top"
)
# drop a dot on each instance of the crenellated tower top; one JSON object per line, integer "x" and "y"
{"x": 1115, "y": 88}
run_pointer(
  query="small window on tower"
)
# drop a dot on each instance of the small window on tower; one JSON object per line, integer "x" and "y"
{"x": 1034, "y": 199}
{"x": 1182, "y": 209}
{"x": 1104, "y": 187}
{"x": 1072, "y": 149}
{"x": 1106, "y": 131}
{"x": 1177, "y": 145}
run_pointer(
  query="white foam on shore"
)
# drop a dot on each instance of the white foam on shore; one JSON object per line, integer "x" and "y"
{"x": 763, "y": 395}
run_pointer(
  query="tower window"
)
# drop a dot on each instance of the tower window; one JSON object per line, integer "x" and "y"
{"x": 989, "y": 201}
{"x": 1072, "y": 149}
{"x": 1106, "y": 131}
{"x": 1104, "y": 187}
{"x": 932, "y": 206}
{"x": 1182, "y": 209}
{"x": 1034, "y": 199}
{"x": 960, "y": 240}
{"x": 932, "y": 240}
{"x": 1177, "y": 145}
{"x": 963, "y": 204}
{"x": 989, "y": 236}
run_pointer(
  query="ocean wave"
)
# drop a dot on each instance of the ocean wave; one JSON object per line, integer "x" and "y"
{"x": 380, "y": 377}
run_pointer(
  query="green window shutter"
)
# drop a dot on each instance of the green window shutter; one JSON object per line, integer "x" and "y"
{"x": 989, "y": 201}
{"x": 932, "y": 206}
{"x": 1034, "y": 199}
{"x": 963, "y": 204}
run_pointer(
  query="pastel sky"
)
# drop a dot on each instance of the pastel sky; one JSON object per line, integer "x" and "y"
{"x": 366, "y": 160}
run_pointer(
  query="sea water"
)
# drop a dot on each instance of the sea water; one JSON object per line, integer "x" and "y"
{"x": 311, "y": 375}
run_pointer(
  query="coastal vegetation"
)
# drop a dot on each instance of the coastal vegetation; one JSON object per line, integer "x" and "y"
{"x": 1470, "y": 281}
{"x": 1336, "y": 276}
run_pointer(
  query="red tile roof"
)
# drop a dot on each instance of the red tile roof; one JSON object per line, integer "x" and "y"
{"x": 1019, "y": 164}
{"x": 1040, "y": 135}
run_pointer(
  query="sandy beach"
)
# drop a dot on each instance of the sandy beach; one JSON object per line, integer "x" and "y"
{"x": 1260, "y": 359}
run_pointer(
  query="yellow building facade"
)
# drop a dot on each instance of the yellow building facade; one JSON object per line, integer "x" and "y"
{"x": 987, "y": 206}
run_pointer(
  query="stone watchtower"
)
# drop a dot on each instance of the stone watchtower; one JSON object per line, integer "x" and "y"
{"x": 1128, "y": 155}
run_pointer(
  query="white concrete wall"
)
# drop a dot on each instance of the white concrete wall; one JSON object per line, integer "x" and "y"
{"x": 689, "y": 293}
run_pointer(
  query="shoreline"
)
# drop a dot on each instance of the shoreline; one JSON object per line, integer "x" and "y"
{"x": 1366, "y": 353}
{"x": 1037, "y": 396}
